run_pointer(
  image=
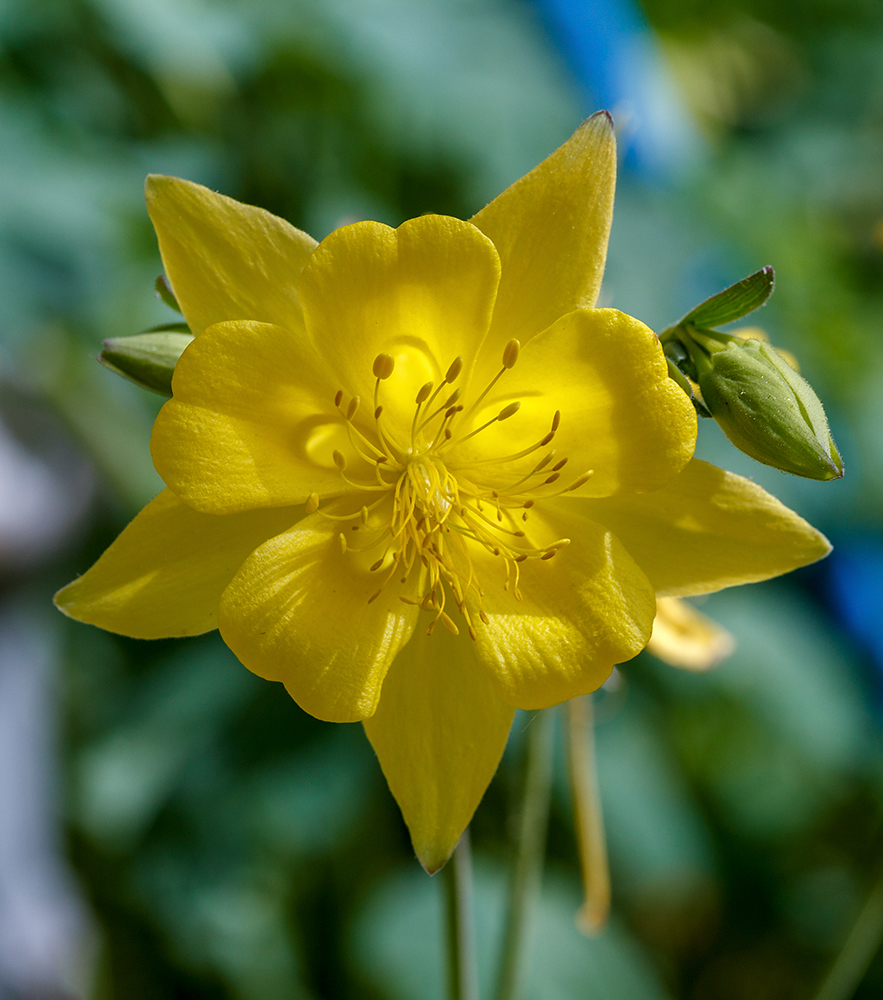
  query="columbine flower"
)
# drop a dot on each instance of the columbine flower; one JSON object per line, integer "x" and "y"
{"x": 416, "y": 477}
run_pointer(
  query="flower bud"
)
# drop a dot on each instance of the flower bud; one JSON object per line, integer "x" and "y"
{"x": 767, "y": 409}
{"x": 147, "y": 359}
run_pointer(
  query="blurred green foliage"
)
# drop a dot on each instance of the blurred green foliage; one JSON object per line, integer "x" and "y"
{"x": 231, "y": 846}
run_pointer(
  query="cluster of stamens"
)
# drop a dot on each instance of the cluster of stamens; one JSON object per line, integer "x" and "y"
{"x": 436, "y": 516}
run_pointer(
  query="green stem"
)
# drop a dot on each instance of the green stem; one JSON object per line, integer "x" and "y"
{"x": 458, "y": 897}
{"x": 858, "y": 951}
{"x": 528, "y": 870}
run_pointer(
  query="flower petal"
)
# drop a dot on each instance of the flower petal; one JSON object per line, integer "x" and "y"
{"x": 252, "y": 421}
{"x": 582, "y": 612}
{"x": 621, "y": 415}
{"x": 165, "y": 574}
{"x": 225, "y": 260}
{"x": 298, "y": 611}
{"x": 422, "y": 293}
{"x": 439, "y": 732}
{"x": 684, "y": 637}
{"x": 550, "y": 229}
{"x": 709, "y": 529}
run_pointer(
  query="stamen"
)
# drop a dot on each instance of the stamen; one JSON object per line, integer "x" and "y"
{"x": 384, "y": 366}
{"x": 454, "y": 370}
{"x": 510, "y": 353}
{"x": 312, "y": 504}
{"x": 504, "y": 414}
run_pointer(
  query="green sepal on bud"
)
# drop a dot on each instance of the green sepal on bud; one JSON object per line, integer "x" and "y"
{"x": 761, "y": 403}
{"x": 765, "y": 407}
{"x": 148, "y": 359}
{"x": 732, "y": 303}
{"x": 164, "y": 291}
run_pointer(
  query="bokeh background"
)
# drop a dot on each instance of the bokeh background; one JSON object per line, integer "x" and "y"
{"x": 173, "y": 827}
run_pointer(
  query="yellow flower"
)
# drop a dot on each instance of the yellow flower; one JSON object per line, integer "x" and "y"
{"x": 367, "y": 490}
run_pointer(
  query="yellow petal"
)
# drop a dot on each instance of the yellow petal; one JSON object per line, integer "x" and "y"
{"x": 550, "y": 229}
{"x": 165, "y": 574}
{"x": 298, "y": 611}
{"x": 250, "y": 422}
{"x": 422, "y": 293}
{"x": 684, "y": 637}
{"x": 582, "y": 611}
{"x": 622, "y": 417}
{"x": 439, "y": 732}
{"x": 225, "y": 260}
{"x": 708, "y": 529}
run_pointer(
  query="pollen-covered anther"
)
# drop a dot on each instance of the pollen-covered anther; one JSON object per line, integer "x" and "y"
{"x": 352, "y": 407}
{"x": 424, "y": 393}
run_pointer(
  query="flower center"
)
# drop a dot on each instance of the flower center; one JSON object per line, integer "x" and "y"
{"x": 429, "y": 511}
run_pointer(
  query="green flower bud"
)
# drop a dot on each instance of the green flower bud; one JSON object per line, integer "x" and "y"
{"x": 147, "y": 359}
{"x": 765, "y": 407}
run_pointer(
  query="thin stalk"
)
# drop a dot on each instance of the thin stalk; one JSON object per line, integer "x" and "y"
{"x": 587, "y": 815}
{"x": 463, "y": 980}
{"x": 858, "y": 951}
{"x": 528, "y": 870}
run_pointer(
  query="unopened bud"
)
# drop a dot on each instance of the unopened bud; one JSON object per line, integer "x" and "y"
{"x": 768, "y": 410}
{"x": 147, "y": 359}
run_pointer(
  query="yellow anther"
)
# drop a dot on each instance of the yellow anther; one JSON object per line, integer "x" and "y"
{"x": 551, "y": 479}
{"x": 510, "y": 353}
{"x": 424, "y": 393}
{"x": 544, "y": 461}
{"x": 312, "y": 504}
{"x": 528, "y": 504}
{"x": 584, "y": 478}
{"x": 377, "y": 412}
{"x": 339, "y": 460}
{"x": 384, "y": 366}
{"x": 338, "y": 397}
{"x": 556, "y": 421}
{"x": 353, "y": 406}
{"x": 448, "y": 623}
{"x": 342, "y": 539}
{"x": 549, "y": 554}
{"x": 559, "y": 465}
{"x": 454, "y": 396}
{"x": 455, "y": 369}
{"x": 508, "y": 411}
{"x": 376, "y": 565}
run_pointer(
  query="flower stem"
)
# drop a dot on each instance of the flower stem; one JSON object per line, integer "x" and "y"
{"x": 857, "y": 953}
{"x": 589, "y": 822}
{"x": 528, "y": 869}
{"x": 458, "y": 897}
